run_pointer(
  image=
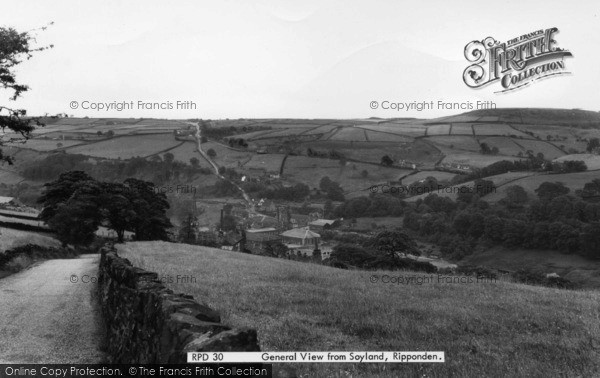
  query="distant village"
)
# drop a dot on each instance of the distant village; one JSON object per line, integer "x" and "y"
{"x": 272, "y": 226}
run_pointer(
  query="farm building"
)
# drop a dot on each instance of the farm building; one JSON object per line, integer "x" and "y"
{"x": 300, "y": 237}
{"x": 258, "y": 238}
{"x": 320, "y": 224}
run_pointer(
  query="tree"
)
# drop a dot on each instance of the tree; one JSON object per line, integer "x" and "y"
{"x": 75, "y": 204}
{"x": 59, "y": 191}
{"x": 150, "y": 206}
{"x": 276, "y": 249}
{"x": 194, "y": 162}
{"x": 484, "y": 187}
{"x": 593, "y": 144}
{"x": 364, "y": 173}
{"x": 110, "y": 133}
{"x": 549, "y": 190}
{"x": 387, "y": 161}
{"x": 390, "y": 243}
{"x": 350, "y": 255}
{"x": 325, "y": 183}
{"x": 211, "y": 153}
{"x": 516, "y": 195}
{"x": 484, "y": 148}
{"x": 465, "y": 194}
{"x": 117, "y": 208}
{"x": 72, "y": 207}
{"x": 590, "y": 240}
{"x": 168, "y": 158}
{"x": 14, "y": 48}
{"x": 591, "y": 191}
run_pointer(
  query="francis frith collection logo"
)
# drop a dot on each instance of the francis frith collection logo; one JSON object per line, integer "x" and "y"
{"x": 516, "y": 63}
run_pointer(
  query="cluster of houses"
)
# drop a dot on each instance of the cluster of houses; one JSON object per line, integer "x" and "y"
{"x": 304, "y": 240}
{"x": 454, "y": 167}
{"x": 406, "y": 164}
{"x": 276, "y": 224}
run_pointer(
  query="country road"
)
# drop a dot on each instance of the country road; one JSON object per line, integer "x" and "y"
{"x": 45, "y": 318}
{"x": 198, "y": 136}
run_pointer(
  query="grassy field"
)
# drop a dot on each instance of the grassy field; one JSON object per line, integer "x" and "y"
{"x": 47, "y": 144}
{"x": 482, "y": 129}
{"x": 475, "y": 159}
{"x": 575, "y": 268}
{"x": 350, "y": 134}
{"x": 459, "y": 142}
{"x": 187, "y": 151}
{"x": 127, "y": 147}
{"x": 462, "y": 129}
{"x": 549, "y": 150}
{"x": 398, "y": 128}
{"x": 307, "y": 170}
{"x": 460, "y": 118}
{"x": 423, "y": 154}
{"x": 438, "y": 130}
{"x": 592, "y": 161}
{"x": 543, "y": 131}
{"x": 9, "y": 177}
{"x": 375, "y": 136}
{"x": 506, "y": 146}
{"x": 439, "y": 175}
{"x": 500, "y": 181}
{"x": 285, "y": 132}
{"x": 266, "y": 162}
{"x": 255, "y": 134}
{"x": 485, "y": 329}
{"x": 573, "y": 181}
{"x": 325, "y": 129}
{"x": 10, "y": 238}
{"x": 227, "y": 157}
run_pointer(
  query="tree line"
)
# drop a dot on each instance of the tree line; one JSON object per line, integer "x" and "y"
{"x": 75, "y": 205}
{"x": 158, "y": 169}
{"x": 555, "y": 219}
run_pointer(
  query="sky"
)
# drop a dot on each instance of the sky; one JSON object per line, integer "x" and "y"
{"x": 284, "y": 59}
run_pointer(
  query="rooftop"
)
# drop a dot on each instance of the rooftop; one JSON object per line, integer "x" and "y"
{"x": 300, "y": 233}
{"x": 259, "y": 230}
{"x": 322, "y": 222}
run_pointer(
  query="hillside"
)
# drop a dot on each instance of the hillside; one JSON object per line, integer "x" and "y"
{"x": 582, "y": 271}
{"x": 571, "y": 117}
{"x": 10, "y": 238}
{"x": 483, "y": 327}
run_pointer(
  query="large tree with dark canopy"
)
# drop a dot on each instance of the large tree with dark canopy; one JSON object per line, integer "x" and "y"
{"x": 76, "y": 204}
{"x": 15, "y": 47}
{"x": 71, "y": 207}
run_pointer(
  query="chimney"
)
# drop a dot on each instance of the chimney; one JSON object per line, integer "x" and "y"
{"x": 221, "y": 225}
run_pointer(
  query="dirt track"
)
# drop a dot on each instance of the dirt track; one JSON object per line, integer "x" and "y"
{"x": 45, "y": 318}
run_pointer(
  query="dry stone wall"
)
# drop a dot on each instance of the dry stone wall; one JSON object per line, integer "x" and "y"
{"x": 148, "y": 323}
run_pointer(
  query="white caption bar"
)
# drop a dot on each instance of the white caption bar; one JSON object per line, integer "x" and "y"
{"x": 329, "y": 357}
